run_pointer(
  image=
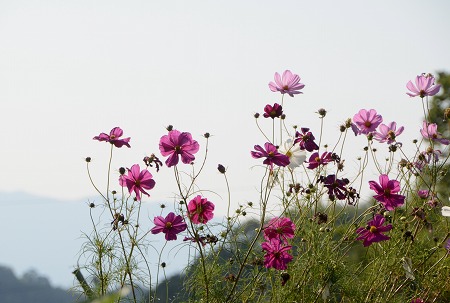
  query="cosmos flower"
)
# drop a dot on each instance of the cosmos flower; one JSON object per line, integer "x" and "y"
{"x": 429, "y": 131}
{"x": 424, "y": 86}
{"x": 306, "y": 140}
{"x": 277, "y": 255}
{"x": 113, "y": 138}
{"x": 271, "y": 154}
{"x": 273, "y": 112}
{"x": 288, "y": 83}
{"x": 387, "y": 192}
{"x": 373, "y": 231}
{"x": 200, "y": 210}
{"x": 367, "y": 121}
{"x": 137, "y": 181}
{"x": 279, "y": 228}
{"x": 177, "y": 144}
{"x": 295, "y": 154}
{"x": 314, "y": 160}
{"x": 387, "y": 133}
{"x": 336, "y": 187}
{"x": 171, "y": 225}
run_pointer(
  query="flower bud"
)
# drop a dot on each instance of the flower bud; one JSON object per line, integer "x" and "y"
{"x": 256, "y": 115}
{"x": 88, "y": 159}
{"x": 322, "y": 112}
{"x": 122, "y": 170}
{"x": 221, "y": 168}
{"x": 169, "y": 127}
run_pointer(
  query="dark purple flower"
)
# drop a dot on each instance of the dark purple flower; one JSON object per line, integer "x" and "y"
{"x": 306, "y": 140}
{"x": 171, "y": 225}
{"x": 387, "y": 192}
{"x": 315, "y": 160}
{"x": 277, "y": 255}
{"x": 373, "y": 231}
{"x": 113, "y": 138}
{"x": 271, "y": 154}
{"x": 274, "y": 111}
{"x": 336, "y": 187}
{"x": 177, "y": 144}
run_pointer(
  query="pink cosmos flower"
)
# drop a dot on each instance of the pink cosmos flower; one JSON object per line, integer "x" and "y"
{"x": 373, "y": 231}
{"x": 424, "y": 86}
{"x": 200, "y": 210}
{"x": 270, "y": 152}
{"x": 171, "y": 225}
{"x": 113, "y": 137}
{"x": 274, "y": 111}
{"x": 277, "y": 255}
{"x": 387, "y": 192}
{"x": 289, "y": 83}
{"x": 178, "y": 144}
{"x": 315, "y": 160}
{"x": 279, "y": 228}
{"x": 429, "y": 131}
{"x": 387, "y": 133}
{"x": 417, "y": 300}
{"x": 423, "y": 193}
{"x": 137, "y": 181}
{"x": 367, "y": 121}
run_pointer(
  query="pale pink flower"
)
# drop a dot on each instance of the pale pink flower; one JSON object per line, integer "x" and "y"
{"x": 367, "y": 121}
{"x": 424, "y": 86}
{"x": 288, "y": 83}
{"x": 387, "y": 133}
{"x": 429, "y": 131}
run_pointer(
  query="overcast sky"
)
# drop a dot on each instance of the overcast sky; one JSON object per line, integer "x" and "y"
{"x": 72, "y": 69}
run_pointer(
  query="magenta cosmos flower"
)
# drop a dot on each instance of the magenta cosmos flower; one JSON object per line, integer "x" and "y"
{"x": 279, "y": 228}
{"x": 373, "y": 231}
{"x": 274, "y": 111}
{"x": 177, "y": 144}
{"x": 113, "y": 137}
{"x": 387, "y": 192}
{"x": 137, "y": 181}
{"x": 388, "y": 133}
{"x": 271, "y": 154}
{"x": 289, "y": 84}
{"x": 277, "y": 255}
{"x": 171, "y": 225}
{"x": 424, "y": 86}
{"x": 314, "y": 160}
{"x": 429, "y": 131}
{"x": 367, "y": 121}
{"x": 200, "y": 210}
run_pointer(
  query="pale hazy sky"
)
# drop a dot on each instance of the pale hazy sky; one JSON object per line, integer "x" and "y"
{"x": 72, "y": 69}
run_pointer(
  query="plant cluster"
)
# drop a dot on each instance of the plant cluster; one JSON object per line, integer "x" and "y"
{"x": 310, "y": 237}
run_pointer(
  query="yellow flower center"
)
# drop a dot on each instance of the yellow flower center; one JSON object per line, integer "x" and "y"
{"x": 168, "y": 224}
{"x": 373, "y": 229}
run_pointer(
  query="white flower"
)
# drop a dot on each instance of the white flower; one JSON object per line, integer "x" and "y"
{"x": 295, "y": 154}
{"x": 445, "y": 211}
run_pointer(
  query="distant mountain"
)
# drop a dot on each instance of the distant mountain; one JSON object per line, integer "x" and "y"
{"x": 30, "y": 288}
